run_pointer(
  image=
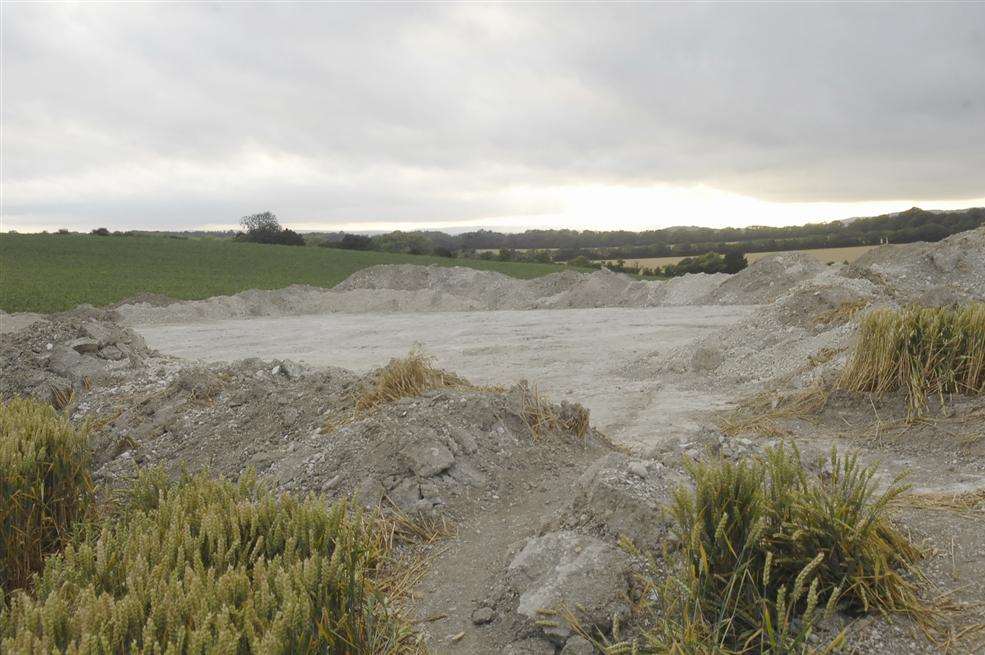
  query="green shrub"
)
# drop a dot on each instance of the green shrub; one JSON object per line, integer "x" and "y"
{"x": 923, "y": 351}
{"x": 768, "y": 546}
{"x": 45, "y": 487}
{"x": 212, "y": 566}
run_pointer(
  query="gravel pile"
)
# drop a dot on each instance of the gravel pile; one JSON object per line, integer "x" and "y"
{"x": 56, "y": 358}
{"x": 765, "y": 280}
{"x": 803, "y": 333}
{"x": 952, "y": 270}
{"x": 295, "y": 427}
{"x": 811, "y": 310}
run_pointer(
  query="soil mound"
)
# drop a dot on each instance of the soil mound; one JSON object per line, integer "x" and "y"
{"x": 296, "y": 427}
{"x": 811, "y": 310}
{"x": 801, "y": 333}
{"x": 152, "y": 299}
{"x": 479, "y": 458}
{"x": 951, "y": 270}
{"x": 410, "y": 288}
{"x": 65, "y": 354}
{"x": 766, "y": 280}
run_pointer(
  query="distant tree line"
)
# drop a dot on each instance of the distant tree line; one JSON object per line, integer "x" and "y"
{"x": 565, "y": 245}
{"x": 706, "y": 250}
{"x": 731, "y": 261}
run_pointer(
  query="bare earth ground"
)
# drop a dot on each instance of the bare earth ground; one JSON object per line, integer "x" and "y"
{"x": 588, "y": 356}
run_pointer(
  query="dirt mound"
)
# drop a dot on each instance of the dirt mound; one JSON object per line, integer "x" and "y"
{"x": 803, "y": 332}
{"x": 766, "y": 280}
{"x": 410, "y": 288}
{"x": 952, "y": 270}
{"x": 152, "y": 299}
{"x": 295, "y": 427}
{"x": 67, "y": 354}
{"x": 531, "y": 530}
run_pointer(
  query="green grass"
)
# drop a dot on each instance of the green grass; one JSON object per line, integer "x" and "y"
{"x": 47, "y": 273}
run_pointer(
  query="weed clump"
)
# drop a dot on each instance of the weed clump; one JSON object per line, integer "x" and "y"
{"x": 768, "y": 547}
{"x": 45, "y": 487}
{"x": 542, "y": 418}
{"x": 922, "y": 351}
{"x": 212, "y": 566}
{"x": 407, "y": 377}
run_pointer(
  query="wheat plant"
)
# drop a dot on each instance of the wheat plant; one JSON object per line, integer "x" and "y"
{"x": 921, "y": 351}
{"x": 45, "y": 486}
{"x": 768, "y": 548}
{"x": 209, "y": 566}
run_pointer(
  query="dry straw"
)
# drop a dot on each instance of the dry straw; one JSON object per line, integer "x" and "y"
{"x": 45, "y": 486}
{"x": 543, "y": 418}
{"x": 921, "y": 351}
{"x": 840, "y": 314}
{"x": 406, "y": 377}
{"x": 765, "y": 413}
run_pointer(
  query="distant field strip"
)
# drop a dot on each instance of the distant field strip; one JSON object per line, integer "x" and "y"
{"x": 849, "y": 254}
{"x": 47, "y": 273}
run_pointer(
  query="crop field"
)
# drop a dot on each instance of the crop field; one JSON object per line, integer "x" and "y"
{"x": 849, "y": 254}
{"x": 47, "y": 273}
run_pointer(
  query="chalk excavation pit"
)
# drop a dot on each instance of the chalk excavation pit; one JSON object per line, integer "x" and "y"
{"x": 587, "y": 394}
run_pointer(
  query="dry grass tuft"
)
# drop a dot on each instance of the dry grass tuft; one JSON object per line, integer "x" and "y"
{"x": 62, "y": 397}
{"x": 763, "y": 413}
{"x": 922, "y": 351}
{"x": 542, "y": 418}
{"x": 840, "y": 314}
{"x": 407, "y": 377}
{"x": 45, "y": 487}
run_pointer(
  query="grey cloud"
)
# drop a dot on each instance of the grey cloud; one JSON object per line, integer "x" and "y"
{"x": 434, "y": 112}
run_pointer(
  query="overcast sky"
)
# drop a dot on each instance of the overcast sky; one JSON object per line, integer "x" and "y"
{"x": 345, "y": 116}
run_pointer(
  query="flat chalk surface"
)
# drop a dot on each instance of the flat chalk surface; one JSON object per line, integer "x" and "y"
{"x": 607, "y": 359}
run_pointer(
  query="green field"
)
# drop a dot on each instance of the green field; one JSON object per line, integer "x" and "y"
{"x": 47, "y": 273}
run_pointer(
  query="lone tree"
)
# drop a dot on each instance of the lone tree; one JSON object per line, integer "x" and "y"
{"x": 265, "y": 228}
{"x": 263, "y": 222}
{"x": 735, "y": 261}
